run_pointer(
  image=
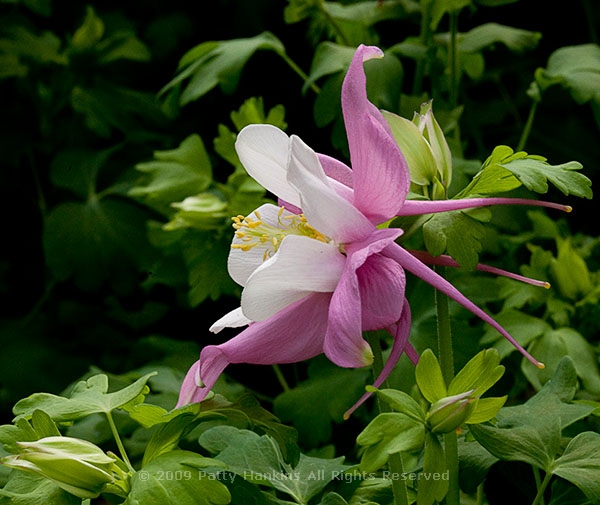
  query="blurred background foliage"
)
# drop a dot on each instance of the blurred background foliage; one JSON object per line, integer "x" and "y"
{"x": 119, "y": 175}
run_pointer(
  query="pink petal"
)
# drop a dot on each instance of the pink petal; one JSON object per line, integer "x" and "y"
{"x": 418, "y": 207}
{"x": 344, "y": 344}
{"x": 380, "y": 173}
{"x": 190, "y": 392}
{"x": 447, "y": 261}
{"x": 381, "y": 282}
{"x": 401, "y": 333}
{"x": 294, "y": 334}
{"x": 416, "y": 267}
{"x": 324, "y": 208}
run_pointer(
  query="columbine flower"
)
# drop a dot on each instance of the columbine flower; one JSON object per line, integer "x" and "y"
{"x": 317, "y": 271}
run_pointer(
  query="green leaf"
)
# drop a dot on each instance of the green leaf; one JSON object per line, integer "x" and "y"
{"x": 475, "y": 462}
{"x": 44, "y": 48}
{"x": 258, "y": 459}
{"x": 535, "y": 174}
{"x": 122, "y": 45}
{"x": 88, "y": 397}
{"x": 386, "y": 434}
{"x": 178, "y": 478}
{"x": 429, "y": 377}
{"x": 310, "y": 406}
{"x": 89, "y": 33}
{"x": 479, "y": 374}
{"x": 219, "y": 63}
{"x": 175, "y": 174}
{"x": 555, "y": 344}
{"x": 400, "y": 402}
{"x": 434, "y": 463}
{"x": 487, "y": 34}
{"x": 523, "y": 327}
{"x": 486, "y": 409}
{"x": 95, "y": 241}
{"x": 457, "y": 232}
{"x": 252, "y": 111}
{"x": 329, "y": 58}
{"x": 580, "y": 464}
{"x": 576, "y": 68}
{"x": 24, "y": 488}
{"x": 531, "y": 432}
{"x": 106, "y": 107}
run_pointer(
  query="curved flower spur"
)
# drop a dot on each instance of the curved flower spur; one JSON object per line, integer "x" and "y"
{"x": 320, "y": 258}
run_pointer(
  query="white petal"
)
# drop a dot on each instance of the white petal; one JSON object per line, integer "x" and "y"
{"x": 233, "y": 319}
{"x": 241, "y": 264}
{"x": 263, "y": 150}
{"x": 301, "y": 266}
{"x": 325, "y": 209}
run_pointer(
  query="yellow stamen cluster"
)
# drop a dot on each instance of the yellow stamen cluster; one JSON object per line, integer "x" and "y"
{"x": 253, "y": 231}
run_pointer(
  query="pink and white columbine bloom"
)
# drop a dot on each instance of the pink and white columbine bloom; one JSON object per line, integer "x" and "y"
{"x": 317, "y": 271}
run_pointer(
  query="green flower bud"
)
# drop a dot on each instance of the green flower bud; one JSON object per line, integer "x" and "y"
{"x": 205, "y": 211}
{"x": 77, "y": 466}
{"x": 432, "y": 132}
{"x": 448, "y": 413}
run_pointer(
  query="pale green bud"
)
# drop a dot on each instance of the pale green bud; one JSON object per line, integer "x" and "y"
{"x": 450, "y": 412}
{"x": 205, "y": 211}
{"x": 77, "y": 466}
{"x": 433, "y": 134}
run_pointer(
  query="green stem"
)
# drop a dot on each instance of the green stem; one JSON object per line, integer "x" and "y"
{"x": 538, "y": 481}
{"x": 539, "y": 497}
{"x": 300, "y": 72}
{"x": 446, "y": 359}
{"x": 285, "y": 386}
{"x": 528, "y": 126}
{"x": 425, "y": 36}
{"x": 120, "y": 446}
{"x": 453, "y": 57}
{"x": 395, "y": 463}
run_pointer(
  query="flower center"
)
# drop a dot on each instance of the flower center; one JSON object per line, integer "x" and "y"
{"x": 252, "y": 231}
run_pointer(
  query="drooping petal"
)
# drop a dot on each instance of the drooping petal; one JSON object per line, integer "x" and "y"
{"x": 294, "y": 334}
{"x": 344, "y": 344}
{"x": 301, "y": 265}
{"x": 380, "y": 173}
{"x": 401, "y": 332}
{"x": 323, "y": 207}
{"x": 233, "y": 319}
{"x": 190, "y": 391}
{"x": 263, "y": 150}
{"x": 418, "y": 207}
{"x": 416, "y": 267}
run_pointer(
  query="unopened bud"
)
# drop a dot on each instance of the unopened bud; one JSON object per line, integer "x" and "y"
{"x": 77, "y": 466}
{"x": 448, "y": 413}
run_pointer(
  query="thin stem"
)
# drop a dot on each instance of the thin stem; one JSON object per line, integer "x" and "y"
{"x": 395, "y": 463}
{"x": 446, "y": 359}
{"x": 528, "y": 126}
{"x": 300, "y": 72}
{"x": 453, "y": 57}
{"x": 538, "y": 481}
{"x": 280, "y": 377}
{"x": 539, "y": 497}
{"x": 120, "y": 446}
